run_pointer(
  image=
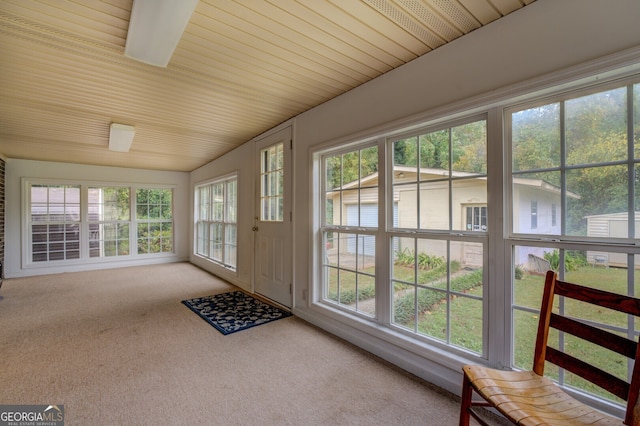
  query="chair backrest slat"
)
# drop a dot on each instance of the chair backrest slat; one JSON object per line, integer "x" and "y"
{"x": 618, "y": 302}
{"x": 628, "y": 391}
{"x": 600, "y": 337}
{"x": 606, "y": 381}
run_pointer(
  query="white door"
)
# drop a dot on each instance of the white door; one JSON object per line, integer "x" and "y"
{"x": 273, "y": 220}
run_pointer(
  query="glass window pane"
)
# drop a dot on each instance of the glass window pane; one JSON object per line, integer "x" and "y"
{"x": 217, "y": 234}
{"x": 366, "y": 294}
{"x": 525, "y": 329}
{"x": 350, "y": 168}
{"x": 636, "y": 206}
{"x": 432, "y": 313}
{"x": 426, "y": 275}
{"x": 56, "y": 194}
{"x": 142, "y": 196}
{"x": 434, "y": 205}
{"x": 333, "y": 172}
{"x": 368, "y": 166}
{"x": 404, "y": 260}
{"x": 598, "y": 191}
{"x": 535, "y": 137}
{"x": 142, "y": 211}
{"x": 330, "y": 284}
{"x": 596, "y": 127}
{"x": 531, "y": 263}
{"x": 636, "y": 121}
{"x": 438, "y": 288}
{"x": 466, "y": 329}
{"x": 405, "y": 213}
{"x": 272, "y": 183}
{"x": 350, "y": 281}
{"x": 55, "y": 217}
{"x": 350, "y": 208}
{"x": 469, "y": 148}
{"x": 538, "y": 196}
{"x": 434, "y": 153}
{"x": 405, "y": 155}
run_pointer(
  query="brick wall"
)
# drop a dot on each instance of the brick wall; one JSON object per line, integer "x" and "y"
{"x": 2, "y": 164}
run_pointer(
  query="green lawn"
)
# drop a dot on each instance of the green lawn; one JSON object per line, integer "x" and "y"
{"x": 528, "y": 293}
{"x": 465, "y": 315}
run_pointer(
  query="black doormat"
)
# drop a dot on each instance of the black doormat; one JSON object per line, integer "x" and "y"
{"x": 235, "y": 311}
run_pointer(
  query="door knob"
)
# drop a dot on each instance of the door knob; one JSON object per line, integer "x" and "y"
{"x": 254, "y": 229}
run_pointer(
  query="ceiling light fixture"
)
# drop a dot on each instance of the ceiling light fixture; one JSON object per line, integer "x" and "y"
{"x": 155, "y": 27}
{"x": 120, "y": 137}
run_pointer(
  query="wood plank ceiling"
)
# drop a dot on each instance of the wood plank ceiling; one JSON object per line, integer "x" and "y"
{"x": 241, "y": 68}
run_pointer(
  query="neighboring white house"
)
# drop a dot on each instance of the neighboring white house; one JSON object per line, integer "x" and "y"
{"x": 424, "y": 204}
{"x": 611, "y": 225}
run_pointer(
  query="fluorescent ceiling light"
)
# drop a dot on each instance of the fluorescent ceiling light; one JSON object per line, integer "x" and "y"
{"x": 155, "y": 27}
{"x": 120, "y": 137}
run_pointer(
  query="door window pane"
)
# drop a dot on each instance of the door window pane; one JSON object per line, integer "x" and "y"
{"x": 272, "y": 183}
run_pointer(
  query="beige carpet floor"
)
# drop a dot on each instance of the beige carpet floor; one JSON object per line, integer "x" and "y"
{"x": 116, "y": 347}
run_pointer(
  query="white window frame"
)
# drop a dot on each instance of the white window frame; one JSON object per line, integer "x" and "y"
{"x": 74, "y": 222}
{"x": 355, "y": 236}
{"x": 386, "y": 230}
{"x": 100, "y": 223}
{"x": 228, "y": 258}
{"x": 155, "y": 221}
{"x": 85, "y": 258}
{"x": 501, "y": 240}
{"x": 564, "y": 242}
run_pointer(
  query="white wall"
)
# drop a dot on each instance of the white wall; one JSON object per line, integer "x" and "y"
{"x": 18, "y": 169}
{"x": 238, "y": 161}
{"x": 545, "y": 43}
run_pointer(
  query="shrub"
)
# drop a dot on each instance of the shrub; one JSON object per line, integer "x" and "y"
{"x": 405, "y": 257}
{"x": 430, "y": 262}
{"x": 404, "y": 306}
{"x": 572, "y": 260}
{"x": 348, "y": 296}
{"x": 519, "y": 272}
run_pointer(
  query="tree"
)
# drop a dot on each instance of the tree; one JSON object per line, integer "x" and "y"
{"x": 595, "y": 149}
{"x": 345, "y": 168}
{"x": 469, "y": 147}
{"x": 466, "y": 145}
{"x": 535, "y": 136}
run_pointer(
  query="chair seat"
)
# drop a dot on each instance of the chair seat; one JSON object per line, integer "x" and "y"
{"x": 528, "y": 399}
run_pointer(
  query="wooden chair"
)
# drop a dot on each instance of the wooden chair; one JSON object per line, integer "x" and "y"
{"x": 528, "y": 398}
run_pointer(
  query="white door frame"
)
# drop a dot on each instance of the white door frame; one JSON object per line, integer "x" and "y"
{"x": 273, "y": 275}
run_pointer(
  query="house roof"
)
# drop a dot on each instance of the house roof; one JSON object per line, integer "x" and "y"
{"x": 399, "y": 171}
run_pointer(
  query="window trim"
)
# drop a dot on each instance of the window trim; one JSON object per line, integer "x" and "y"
{"x": 116, "y": 222}
{"x": 588, "y": 76}
{"x": 385, "y": 231}
{"x": 25, "y": 233}
{"x": 135, "y": 220}
{"x": 224, "y": 179}
{"x": 76, "y": 222}
{"x": 579, "y": 88}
